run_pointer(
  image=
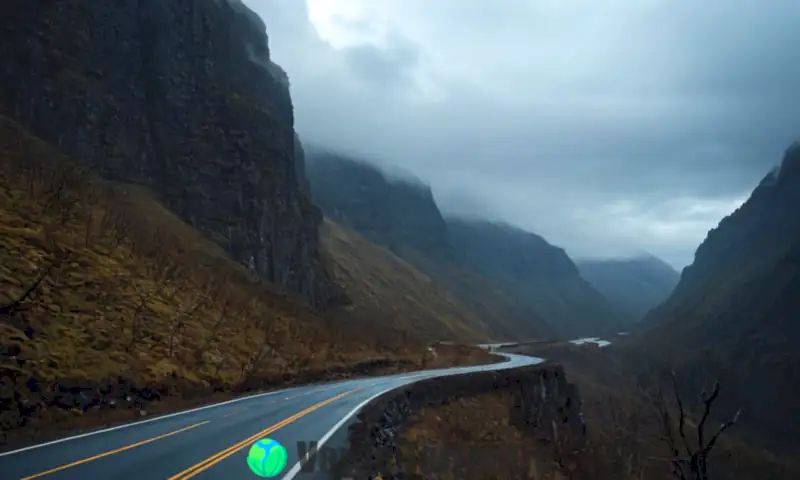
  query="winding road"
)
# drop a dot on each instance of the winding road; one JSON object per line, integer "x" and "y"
{"x": 212, "y": 442}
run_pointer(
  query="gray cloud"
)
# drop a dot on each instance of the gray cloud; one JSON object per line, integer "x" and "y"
{"x": 384, "y": 69}
{"x": 608, "y": 127}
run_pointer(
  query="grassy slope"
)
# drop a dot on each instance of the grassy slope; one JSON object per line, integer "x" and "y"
{"x": 132, "y": 290}
{"x": 391, "y": 295}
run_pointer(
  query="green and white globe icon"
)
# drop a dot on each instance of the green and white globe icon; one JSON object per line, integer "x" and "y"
{"x": 267, "y": 458}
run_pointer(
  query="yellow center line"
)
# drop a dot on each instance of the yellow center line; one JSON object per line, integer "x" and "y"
{"x": 112, "y": 452}
{"x": 218, "y": 457}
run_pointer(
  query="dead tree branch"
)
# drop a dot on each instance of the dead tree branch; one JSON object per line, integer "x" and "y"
{"x": 16, "y": 305}
{"x": 693, "y": 463}
{"x": 179, "y": 321}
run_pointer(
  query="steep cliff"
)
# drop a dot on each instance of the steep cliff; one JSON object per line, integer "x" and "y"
{"x": 734, "y": 312}
{"x": 636, "y": 285}
{"x": 180, "y": 96}
{"x": 537, "y": 273}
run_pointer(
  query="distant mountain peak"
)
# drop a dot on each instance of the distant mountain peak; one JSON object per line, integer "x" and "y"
{"x": 635, "y": 283}
{"x": 791, "y": 159}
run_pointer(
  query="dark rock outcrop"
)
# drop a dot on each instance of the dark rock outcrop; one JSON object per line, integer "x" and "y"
{"x": 181, "y": 96}
{"x": 635, "y": 285}
{"x": 544, "y": 407}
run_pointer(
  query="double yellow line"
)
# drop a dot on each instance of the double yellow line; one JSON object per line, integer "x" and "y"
{"x": 216, "y": 458}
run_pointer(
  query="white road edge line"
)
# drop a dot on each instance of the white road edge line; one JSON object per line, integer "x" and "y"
{"x": 142, "y": 422}
{"x": 298, "y": 466}
{"x": 498, "y": 366}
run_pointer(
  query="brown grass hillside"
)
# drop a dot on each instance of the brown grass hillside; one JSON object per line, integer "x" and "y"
{"x": 100, "y": 285}
{"x": 473, "y": 438}
{"x": 127, "y": 288}
{"x": 390, "y": 294}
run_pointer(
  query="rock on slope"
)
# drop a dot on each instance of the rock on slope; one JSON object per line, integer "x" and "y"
{"x": 734, "y": 312}
{"x": 180, "y": 96}
{"x": 635, "y": 285}
{"x": 481, "y": 266}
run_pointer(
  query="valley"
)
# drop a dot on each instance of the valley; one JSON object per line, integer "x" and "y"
{"x": 176, "y": 233}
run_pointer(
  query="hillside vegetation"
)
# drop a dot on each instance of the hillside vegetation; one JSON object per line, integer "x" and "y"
{"x": 100, "y": 285}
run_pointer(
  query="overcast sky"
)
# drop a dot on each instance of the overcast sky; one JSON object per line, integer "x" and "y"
{"x": 610, "y": 127}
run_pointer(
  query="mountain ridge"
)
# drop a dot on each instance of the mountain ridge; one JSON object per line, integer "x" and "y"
{"x": 404, "y": 216}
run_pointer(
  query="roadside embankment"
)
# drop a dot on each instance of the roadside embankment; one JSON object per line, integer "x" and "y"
{"x": 438, "y": 427}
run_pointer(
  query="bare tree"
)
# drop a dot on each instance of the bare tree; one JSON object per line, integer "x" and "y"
{"x": 88, "y": 230}
{"x": 55, "y": 194}
{"x": 689, "y": 460}
{"x": 144, "y": 300}
{"x": 166, "y": 278}
{"x": 179, "y": 321}
{"x": 212, "y": 337}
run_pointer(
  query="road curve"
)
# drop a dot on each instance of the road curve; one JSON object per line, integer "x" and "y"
{"x": 211, "y": 442}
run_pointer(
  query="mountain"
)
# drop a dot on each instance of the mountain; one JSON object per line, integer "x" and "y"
{"x": 635, "y": 285}
{"x": 542, "y": 275}
{"x": 734, "y": 313}
{"x": 181, "y": 97}
{"x": 520, "y": 286}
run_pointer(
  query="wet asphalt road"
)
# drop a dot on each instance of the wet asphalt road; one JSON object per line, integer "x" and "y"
{"x": 212, "y": 442}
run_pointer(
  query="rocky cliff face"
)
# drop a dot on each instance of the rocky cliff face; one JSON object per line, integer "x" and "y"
{"x": 180, "y": 96}
{"x": 734, "y": 312}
